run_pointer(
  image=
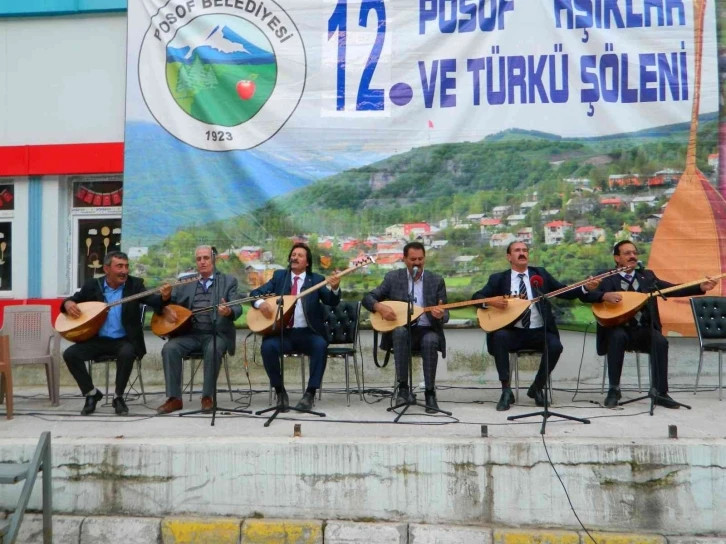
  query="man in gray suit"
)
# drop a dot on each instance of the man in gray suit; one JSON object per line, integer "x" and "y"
{"x": 427, "y": 333}
{"x": 195, "y": 296}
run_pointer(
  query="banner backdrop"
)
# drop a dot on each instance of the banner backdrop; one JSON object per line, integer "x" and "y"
{"x": 359, "y": 125}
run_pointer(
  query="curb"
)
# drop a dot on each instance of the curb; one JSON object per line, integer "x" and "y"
{"x": 289, "y": 531}
{"x": 220, "y": 530}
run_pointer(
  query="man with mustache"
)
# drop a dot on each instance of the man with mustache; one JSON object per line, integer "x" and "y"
{"x": 635, "y": 335}
{"x": 306, "y": 330}
{"x": 427, "y": 333}
{"x": 212, "y": 289}
{"x": 121, "y": 335}
{"x": 528, "y": 332}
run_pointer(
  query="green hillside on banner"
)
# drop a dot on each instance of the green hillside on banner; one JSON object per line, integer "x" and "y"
{"x": 208, "y": 92}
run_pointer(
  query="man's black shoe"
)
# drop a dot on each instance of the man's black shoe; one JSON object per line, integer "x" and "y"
{"x": 91, "y": 402}
{"x": 120, "y": 406}
{"x": 611, "y": 401}
{"x": 432, "y": 406}
{"x": 403, "y": 397}
{"x": 283, "y": 400}
{"x": 666, "y": 402}
{"x": 537, "y": 394}
{"x": 506, "y": 400}
{"x": 306, "y": 402}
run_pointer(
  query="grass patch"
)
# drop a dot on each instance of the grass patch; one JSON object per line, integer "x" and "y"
{"x": 458, "y": 281}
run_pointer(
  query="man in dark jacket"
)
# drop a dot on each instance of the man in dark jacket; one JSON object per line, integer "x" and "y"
{"x": 212, "y": 289}
{"x": 121, "y": 335}
{"x": 306, "y": 332}
{"x": 533, "y": 329}
{"x": 635, "y": 335}
{"x": 428, "y": 333}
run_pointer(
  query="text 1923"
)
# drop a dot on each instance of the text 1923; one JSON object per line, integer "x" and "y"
{"x": 218, "y": 136}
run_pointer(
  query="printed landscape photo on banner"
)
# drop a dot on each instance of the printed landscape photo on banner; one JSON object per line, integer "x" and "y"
{"x": 359, "y": 126}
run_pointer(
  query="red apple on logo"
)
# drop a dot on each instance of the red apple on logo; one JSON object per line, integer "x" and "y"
{"x": 246, "y": 89}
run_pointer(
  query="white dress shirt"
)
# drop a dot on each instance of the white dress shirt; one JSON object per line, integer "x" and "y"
{"x": 299, "y": 321}
{"x": 418, "y": 298}
{"x": 535, "y": 319}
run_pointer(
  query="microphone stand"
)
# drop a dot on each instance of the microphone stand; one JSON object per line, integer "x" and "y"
{"x": 279, "y": 314}
{"x": 411, "y": 400}
{"x": 545, "y": 413}
{"x": 651, "y": 287}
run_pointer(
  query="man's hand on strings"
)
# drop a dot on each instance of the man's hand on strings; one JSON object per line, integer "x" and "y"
{"x": 165, "y": 292}
{"x": 224, "y": 310}
{"x": 437, "y": 312}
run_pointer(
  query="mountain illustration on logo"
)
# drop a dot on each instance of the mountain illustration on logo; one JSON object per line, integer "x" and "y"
{"x": 221, "y": 46}
{"x": 220, "y": 69}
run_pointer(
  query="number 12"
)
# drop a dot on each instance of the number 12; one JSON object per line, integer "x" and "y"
{"x": 368, "y": 99}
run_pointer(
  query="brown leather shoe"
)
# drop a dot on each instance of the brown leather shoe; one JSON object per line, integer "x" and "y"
{"x": 207, "y": 404}
{"x": 172, "y": 404}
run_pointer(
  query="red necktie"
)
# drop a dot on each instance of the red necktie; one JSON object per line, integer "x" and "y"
{"x": 293, "y": 292}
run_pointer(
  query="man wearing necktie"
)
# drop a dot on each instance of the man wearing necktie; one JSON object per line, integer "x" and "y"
{"x": 635, "y": 335}
{"x": 306, "y": 329}
{"x": 197, "y": 296}
{"x": 529, "y": 331}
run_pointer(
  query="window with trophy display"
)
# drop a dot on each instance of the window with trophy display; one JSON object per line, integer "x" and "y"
{"x": 96, "y": 212}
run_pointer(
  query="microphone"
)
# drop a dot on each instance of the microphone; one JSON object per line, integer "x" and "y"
{"x": 536, "y": 281}
{"x": 640, "y": 266}
{"x": 214, "y": 261}
{"x": 414, "y": 271}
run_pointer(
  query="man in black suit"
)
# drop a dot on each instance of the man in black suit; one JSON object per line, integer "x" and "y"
{"x": 528, "y": 332}
{"x": 121, "y": 335}
{"x": 635, "y": 335}
{"x": 212, "y": 289}
{"x": 306, "y": 332}
{"x": 428, "y": 333}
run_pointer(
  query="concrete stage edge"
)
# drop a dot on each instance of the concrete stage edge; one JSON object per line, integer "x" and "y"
{"x": 622, "y": 473}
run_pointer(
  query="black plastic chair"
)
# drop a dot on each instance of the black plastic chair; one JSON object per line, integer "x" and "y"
{"x": 709, "y": 313}
{"x": 341, "y": 330}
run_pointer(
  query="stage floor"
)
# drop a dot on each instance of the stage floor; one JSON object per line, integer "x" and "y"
{"x": 471, "y": 408}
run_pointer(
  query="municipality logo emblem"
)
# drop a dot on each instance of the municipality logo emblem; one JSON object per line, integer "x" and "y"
{"x": 222, "y": 75}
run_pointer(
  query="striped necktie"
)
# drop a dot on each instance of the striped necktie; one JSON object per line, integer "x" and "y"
{"x": 523, "y": 294}
{"x": 630, "y": 283}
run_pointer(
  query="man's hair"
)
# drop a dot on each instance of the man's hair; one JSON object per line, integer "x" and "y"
{"x": 309, "y": 267}
{"x": 413, "y": 245}
{"x": 204, "y": 246}
{"x": 616, "y": 247}
{"x": 114, "y": 255}
{"x": 509, "y": 247}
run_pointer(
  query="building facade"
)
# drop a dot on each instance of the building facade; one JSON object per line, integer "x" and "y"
{"x": 61, "y": 149}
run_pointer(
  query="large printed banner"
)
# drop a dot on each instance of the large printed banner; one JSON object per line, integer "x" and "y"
{"x": 359, "y": 125}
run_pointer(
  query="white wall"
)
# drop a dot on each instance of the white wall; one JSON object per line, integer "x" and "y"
{"x": 55, "y": 238}
{"x": 63, "y": 79}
